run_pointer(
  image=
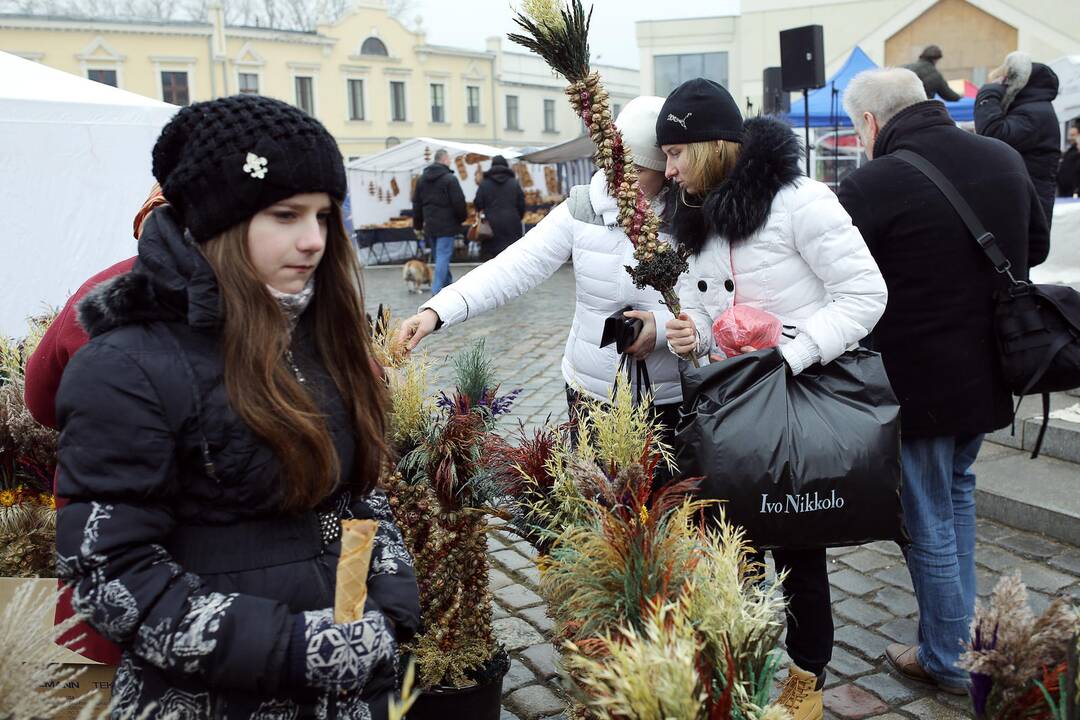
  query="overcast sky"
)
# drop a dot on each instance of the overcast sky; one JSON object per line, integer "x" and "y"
{"x": 466, "y": 23}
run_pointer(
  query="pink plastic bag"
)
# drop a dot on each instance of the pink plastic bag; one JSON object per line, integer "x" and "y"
{"x": 742, "y": 325}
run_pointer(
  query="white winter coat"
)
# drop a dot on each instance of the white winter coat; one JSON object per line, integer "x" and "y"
{"x": 807, "y": 265}
{"x": 603, "y": 286}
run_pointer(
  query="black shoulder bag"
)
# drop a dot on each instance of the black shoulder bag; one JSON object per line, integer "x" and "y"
{"x": 1037, "y": 326}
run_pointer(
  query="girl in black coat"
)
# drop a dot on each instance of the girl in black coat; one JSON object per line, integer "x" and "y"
{"x": 223, "y": 419}
{"x": 502, "y": 201}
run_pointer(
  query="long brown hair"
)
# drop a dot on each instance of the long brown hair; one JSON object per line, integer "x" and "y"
{"x": 266, "y": 395}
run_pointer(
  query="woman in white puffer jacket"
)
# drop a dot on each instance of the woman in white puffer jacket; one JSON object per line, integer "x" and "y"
{"x": 583, "y": 228}
{"x": 762, "y": 234}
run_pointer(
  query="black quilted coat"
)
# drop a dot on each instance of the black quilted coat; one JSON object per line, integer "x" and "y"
{"x": 172, "y": 538}
{"x": 1030, "y": 125}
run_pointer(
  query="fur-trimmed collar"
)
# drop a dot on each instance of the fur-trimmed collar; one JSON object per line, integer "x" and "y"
{"x": 171, "y": 281}
{"x": 739, "y": 206}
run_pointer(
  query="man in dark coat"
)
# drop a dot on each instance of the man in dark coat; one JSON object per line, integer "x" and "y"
{"x": 933, "y": 81}
{"x": 438, "y": 210}
{"x": 936, "y": 337}
{"x": 502, "y": 200}
{"x": 1015, "y": 107}
{"x": 1068, "y": 179}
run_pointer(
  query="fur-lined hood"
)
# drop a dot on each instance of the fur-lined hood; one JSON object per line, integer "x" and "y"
{"x": 1025, "y": 80}
{"x": 739, "y": 206}
{"x": 171, "y": 280}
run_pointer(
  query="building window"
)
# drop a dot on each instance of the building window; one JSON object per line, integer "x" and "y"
{"x": 671, "y": 71}
{"x": 438, "y": 103}
{"x": 549, "y": 116}
{"x": 512, "y": 113}
{"x": 105, "y": 77}
{"x": 616, "y": 109}
{"x": 356, "y": 99}
{"x": 373, "y": 46}
{"x": 248, "y": 83}
{"x": 472, "y": 104}
{"x": 305, "y": 93}
{"x": 174, "y": 87}
{"x": 397, "y": 101}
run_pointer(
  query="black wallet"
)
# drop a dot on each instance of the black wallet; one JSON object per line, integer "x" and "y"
{"x": 621, "y": 330}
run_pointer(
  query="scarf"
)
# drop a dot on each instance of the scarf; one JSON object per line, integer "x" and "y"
{"x": 293, "y": 305}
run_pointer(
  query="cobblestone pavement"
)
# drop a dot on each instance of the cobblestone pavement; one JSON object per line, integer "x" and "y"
{"x": 872, "y": 599}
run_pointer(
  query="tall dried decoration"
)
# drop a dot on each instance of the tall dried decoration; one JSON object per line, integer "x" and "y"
{"x": 560, "y": 35}
{"x": 441, "y": 495}
{"x": 1017, "y": 661}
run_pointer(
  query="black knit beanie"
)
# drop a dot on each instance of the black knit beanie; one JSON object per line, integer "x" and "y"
{"x": 220, "y": 162}
{"x": 499, "y": 160}
{"x": 697, "y": 111}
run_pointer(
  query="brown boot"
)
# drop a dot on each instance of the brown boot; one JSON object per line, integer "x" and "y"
{"x": 801, "y": 696}
{"x": 905, "y": 661}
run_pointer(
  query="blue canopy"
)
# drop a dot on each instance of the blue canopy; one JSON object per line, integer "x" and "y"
{"x": 827, "y": 107}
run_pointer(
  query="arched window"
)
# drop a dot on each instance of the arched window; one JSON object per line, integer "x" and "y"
{"x": 373, "y": 46}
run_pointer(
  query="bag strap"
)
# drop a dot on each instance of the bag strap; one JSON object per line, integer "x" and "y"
{"x": 986, "y": 239}
{"x": 1045, "y": 423}
{"x": 643, "y": 382}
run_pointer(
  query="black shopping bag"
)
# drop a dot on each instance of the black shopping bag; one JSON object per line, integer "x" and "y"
{"x": 801, "y": 461}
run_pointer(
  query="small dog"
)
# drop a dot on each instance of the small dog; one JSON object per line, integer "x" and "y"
{"x": 415, "y": 274}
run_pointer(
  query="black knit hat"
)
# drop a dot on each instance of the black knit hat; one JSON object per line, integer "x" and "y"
{"x": 499, "y": 160}
{"x": 220, "y": 162}
{"x": 697, "y": 111}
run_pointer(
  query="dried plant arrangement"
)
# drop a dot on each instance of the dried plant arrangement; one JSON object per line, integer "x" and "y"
{"x": 635, "y": 576}
{"x": 1019, "y": 664}
{"x": 27, "y": 464}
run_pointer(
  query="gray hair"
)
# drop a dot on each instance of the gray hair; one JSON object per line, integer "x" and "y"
{"x": 442, "y": 154}
{"x": 882, "y": 92}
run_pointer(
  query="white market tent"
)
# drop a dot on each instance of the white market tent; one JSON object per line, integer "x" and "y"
{"x": 75, "y": 163}
{"x": 394, "y": 168}
{"x": 1067, "y": 104}
{"x": 573, "y": 158}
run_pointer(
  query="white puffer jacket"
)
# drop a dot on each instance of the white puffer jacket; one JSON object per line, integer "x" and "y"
{"x": 806, "y": 264}
{"x": 603, "y": 286}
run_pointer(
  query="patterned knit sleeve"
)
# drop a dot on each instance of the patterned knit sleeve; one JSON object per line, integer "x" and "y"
{"x": 117, "y": 463}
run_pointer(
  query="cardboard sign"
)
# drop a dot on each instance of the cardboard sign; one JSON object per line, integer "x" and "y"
{"x": 96, "y": 678}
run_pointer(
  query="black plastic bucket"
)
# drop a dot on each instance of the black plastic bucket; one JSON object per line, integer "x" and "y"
{"x": 482, "y": 701}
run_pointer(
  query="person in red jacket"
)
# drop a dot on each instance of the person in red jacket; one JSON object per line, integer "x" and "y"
{"x": 44, "y": 368}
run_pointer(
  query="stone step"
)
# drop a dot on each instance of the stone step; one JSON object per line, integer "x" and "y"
{"x": 1062, "y": 439}
{"x": 1041, "y": 495}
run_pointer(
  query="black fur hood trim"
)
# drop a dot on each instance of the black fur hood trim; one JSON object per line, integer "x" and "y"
{"x": 739, "y": 206}
{"x": 171, "y": 281}
{"x": 122, "y": 300}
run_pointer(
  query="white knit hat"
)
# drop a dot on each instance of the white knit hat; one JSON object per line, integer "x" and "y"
{"x": 637, "y": 123}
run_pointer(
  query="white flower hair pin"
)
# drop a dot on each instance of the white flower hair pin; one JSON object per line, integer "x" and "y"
{"x": 255, "y": 166}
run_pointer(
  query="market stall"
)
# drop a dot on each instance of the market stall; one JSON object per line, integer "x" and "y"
{"x": 573, "y": 161}
{"x": 76, "y": 157}
{"x": 381, "y": 188}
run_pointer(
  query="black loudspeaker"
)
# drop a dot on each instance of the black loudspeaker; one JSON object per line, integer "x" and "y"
{"x": 774, "y": 99}
{"x": 802, "y": 57}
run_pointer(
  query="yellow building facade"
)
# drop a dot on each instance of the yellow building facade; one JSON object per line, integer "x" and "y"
{"x": 367, "y": 77}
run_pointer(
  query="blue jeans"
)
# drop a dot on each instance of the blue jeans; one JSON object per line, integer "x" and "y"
{"x": 939, "y": 511}
{"x": 444, "y": 250}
